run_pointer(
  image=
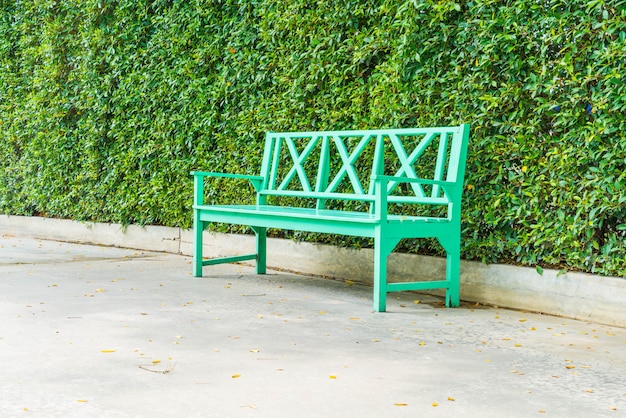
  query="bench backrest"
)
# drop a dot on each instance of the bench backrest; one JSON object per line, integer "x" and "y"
{"x": 340, "y": 165}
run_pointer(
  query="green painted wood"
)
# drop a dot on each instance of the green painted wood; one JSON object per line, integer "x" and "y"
{"x": 425, "y": 285}
{"x": 283, "y": 162}
{"x": 198, "y": 225}
{"x": 233, "y": 259}
{"x": 348, "y": 161}
{"x": 298, "y": 161}
{"x": 440, "y": 165}
{"x": 261, "y": 249}
{"x": 378, "y": 166}
{"x": 323, "y": 171}
{"x": 407, "y": 162}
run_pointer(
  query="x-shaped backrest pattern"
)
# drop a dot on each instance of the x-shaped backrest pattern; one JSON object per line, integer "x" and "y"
{"x": 329, "y": 181}
{"x": 298, "y": 163}
{"x": 407, "y": 161}
{"x": 348, "y": 159}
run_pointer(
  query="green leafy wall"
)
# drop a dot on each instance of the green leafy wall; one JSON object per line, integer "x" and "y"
{"x": 106, "y": 105}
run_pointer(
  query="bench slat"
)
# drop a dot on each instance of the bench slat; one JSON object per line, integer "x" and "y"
{"x": 426, "y": 200}
{"x": 308, "y": 213}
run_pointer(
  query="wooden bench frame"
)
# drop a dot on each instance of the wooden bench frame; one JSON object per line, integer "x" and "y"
{"x": 387, "y": 229}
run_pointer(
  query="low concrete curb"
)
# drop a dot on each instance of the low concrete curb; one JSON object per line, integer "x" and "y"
{"x": 575, "y": 295}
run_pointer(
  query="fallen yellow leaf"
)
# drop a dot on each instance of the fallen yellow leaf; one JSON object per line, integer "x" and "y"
{"x": 435, "y": 404}
{"x": 156, "y": 361}
{"x": 235, "y": 376}
{"x": 107, "y": 351}
{"x": 450, "y": 398}
{"x": 82, "y": 400}
{"x": 400, "y": 404}
{"x": 332, "y": 376}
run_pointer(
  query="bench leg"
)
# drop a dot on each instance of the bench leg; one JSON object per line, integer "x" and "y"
{"x": 261, "y": 249}
{"x": 198, "y": 228}
{"x": 453, "y": 271}
{"x": 453, "y": 275}
{"x": 382, "y": 248}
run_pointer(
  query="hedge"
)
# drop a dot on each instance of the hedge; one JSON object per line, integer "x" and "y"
{"x": 106, "y": 105}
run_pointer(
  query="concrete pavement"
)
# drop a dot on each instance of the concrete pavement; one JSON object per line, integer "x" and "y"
{"x": 91, "y": 331}
{"x": 576, "y": 295}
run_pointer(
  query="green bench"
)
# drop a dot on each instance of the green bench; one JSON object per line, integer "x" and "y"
{"x": 385, "y": 184}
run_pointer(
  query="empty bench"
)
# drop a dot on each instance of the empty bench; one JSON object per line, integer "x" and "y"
{"x": 385, "y": 184}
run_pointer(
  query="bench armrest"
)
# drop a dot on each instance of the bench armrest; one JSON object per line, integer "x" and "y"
{"x": 226, "y": 175}
{"x": 383, "y": 195}
{"x": 257, "y": 182}
{"x": 448, "y": 187}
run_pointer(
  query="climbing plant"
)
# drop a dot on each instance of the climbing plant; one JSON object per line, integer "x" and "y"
{"x": 106, "y": 105}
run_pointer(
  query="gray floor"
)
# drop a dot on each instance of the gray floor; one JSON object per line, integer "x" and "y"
{"x": 91, "y": 331}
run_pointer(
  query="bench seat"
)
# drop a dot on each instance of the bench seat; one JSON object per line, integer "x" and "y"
{"x": 312, "y": 220}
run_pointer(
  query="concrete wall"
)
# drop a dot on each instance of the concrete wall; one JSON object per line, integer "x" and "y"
{"x": 575, "y": 295}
